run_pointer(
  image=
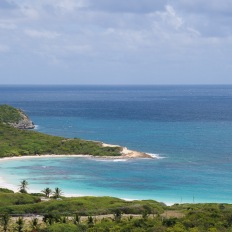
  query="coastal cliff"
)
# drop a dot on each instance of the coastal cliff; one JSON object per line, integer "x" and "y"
{"x": 24, "y": 122}
{"x": 15, "y": 117}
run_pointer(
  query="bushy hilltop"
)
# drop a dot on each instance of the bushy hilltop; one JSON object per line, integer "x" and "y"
{"x": 9, "y": 114}
{"x": 15, "y": 117}
{"x": 17, "y": 142}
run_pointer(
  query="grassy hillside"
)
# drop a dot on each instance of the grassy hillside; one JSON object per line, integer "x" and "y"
{"x": 17, "y": 203}
{"x": 68, "y": 214}
{"x": 16, "y": 142}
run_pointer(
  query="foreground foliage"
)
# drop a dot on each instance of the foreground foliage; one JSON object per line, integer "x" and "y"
{"x": 16, "y": 203}
{"x": 81, "y": 214}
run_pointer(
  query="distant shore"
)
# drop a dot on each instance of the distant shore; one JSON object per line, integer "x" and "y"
{"x": 125, "y": 154}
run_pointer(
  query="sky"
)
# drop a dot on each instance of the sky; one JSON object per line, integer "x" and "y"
{"x": 116, "y": 42}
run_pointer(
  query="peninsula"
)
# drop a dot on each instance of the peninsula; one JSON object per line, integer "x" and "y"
{"x": 17, "y": 141}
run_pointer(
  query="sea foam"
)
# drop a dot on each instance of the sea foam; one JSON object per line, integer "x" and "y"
{"x": 36, "y": 127}
{"x": 111, "y": 160}
{"x": 156, "y": 156}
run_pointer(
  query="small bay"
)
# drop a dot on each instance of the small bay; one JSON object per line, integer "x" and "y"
{"x": 188, "y": 128}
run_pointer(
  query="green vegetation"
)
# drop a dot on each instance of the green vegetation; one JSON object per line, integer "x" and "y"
{"x": 47, "y": 192}
{"x": 26, "y": 203}
{"x": 16, "y": 199}
{"x": 4, "y": 190}
{"x": 57, "y": 193}
{"x": 9, "y": 114}
{"x": 16, "y": 142}
{"x": 82, "y": 214}
{"x": 23, "y": 186}
{"x": 5, "y": 219}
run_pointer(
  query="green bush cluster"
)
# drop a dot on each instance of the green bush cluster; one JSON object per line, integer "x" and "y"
{"x": 16, "y": 142}
{"x": 16, "y": 199}
{"x": 29, "y": 203}
{"x": 67, "y": 215}
{"x": 9, "y": 114}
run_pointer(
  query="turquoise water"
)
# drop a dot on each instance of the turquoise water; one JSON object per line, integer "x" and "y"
{"x": 188, "y": 127}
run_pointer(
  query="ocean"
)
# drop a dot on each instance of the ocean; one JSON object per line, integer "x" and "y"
{"x": 187, "y": 128}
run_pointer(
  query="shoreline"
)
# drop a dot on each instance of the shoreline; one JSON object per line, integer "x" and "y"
{"x": 126, "y": 154}
{"x": 5, "y": 184}
{"x": 15, "y": 188}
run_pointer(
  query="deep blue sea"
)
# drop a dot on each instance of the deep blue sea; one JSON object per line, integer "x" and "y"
{"x": 189, "y": 128}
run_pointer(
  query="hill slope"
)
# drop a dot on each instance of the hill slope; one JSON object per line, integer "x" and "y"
{"x": 15, "y": 117}
{"x": 17, "y": 142}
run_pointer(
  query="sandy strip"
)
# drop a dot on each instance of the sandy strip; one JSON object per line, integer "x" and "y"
{"x": 125, "y": 154}
{"x": 42, "y": 156}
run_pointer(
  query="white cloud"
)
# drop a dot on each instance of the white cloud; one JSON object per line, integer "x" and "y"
{"x": 30, "y": 12}
{"x": 128, "y": 6}
{"x": 70, "y": 5}
{"x": 206, "y": 6}
{"x": 134, "y": 31}
{"x": 7, "y": 25}
{"x": 212, "y": 18}
{"x": 78, "y": 49}
{"x": 41, "y": 34}
{"x": 172, "y": 17}
{"x": 60, "y": 5}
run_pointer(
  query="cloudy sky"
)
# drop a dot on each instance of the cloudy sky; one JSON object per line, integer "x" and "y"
{"x": 116, "y": 42}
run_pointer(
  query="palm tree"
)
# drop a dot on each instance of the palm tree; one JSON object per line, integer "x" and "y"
{"x": 117, "y": 215}
{"x": 77, "y": 219}
{"x": 57, "y": 193}
{"x": 47, "y": 192}
{"x": 5, "y": 219}
{"x": 20, "y": 224}
{"x": 90, "y": 221}
{"x": 23, "y": 186}
{"x": 34, "y": 224}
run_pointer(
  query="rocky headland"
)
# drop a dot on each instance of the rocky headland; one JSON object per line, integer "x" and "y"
{"x": 15, "y": 117}
{"x": 24, "y": 122}
{"x": 27, "y": 143}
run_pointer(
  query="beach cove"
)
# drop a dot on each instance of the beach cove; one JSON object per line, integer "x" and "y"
{"x": 79, "y": 175}
{"x": 22, "y": 160}
{"x": 190, "y": 126}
